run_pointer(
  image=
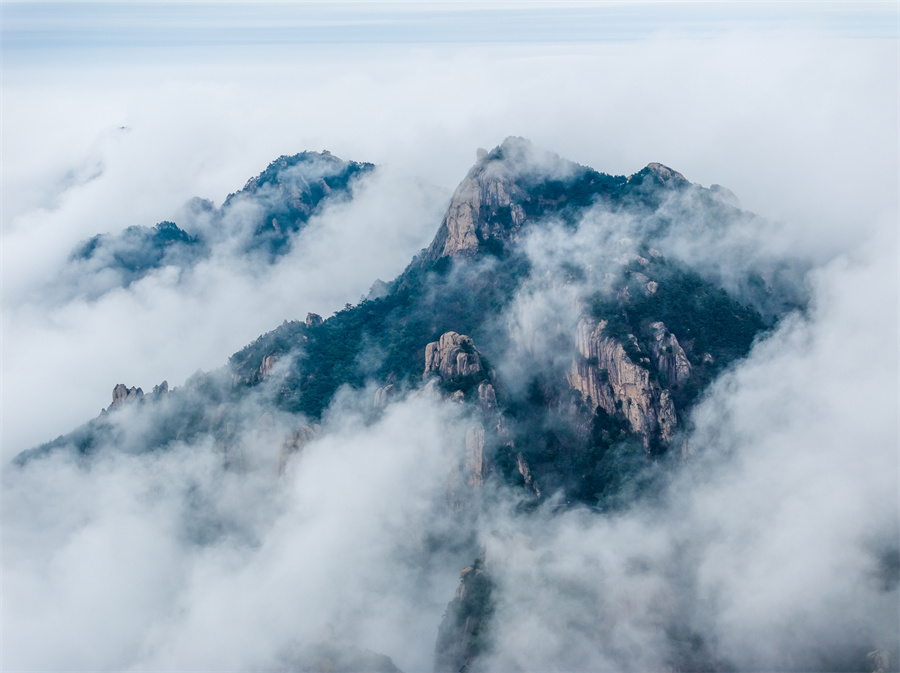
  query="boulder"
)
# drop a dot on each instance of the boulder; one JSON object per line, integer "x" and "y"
{"x": 453, "y": 354}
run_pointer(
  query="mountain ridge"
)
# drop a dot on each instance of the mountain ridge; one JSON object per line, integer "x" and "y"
{"x": 263, "y": 218}
{"x": 555, "y": 313}
{"x": 462, "y": 281}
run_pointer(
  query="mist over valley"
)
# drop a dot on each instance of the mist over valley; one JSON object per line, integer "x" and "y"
{"x": 494, "y": 383}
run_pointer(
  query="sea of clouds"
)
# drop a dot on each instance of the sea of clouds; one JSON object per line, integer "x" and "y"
{"x": 777, "y": 546}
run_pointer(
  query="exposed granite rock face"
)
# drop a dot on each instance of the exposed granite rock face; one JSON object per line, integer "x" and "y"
{"x": 490, "y": 203}
{"x": 454, "y": 354}
{"x": 665, "y": 173}
{"x": 122, "y": 395}
{"x": 668, "y": 356}
{"x": 161, "y": 390}
{"x": 295, "y": 442}
{"x": 665, "y": 416}
{"x": 495, "y": 421}
{"x": 313, "y": 319}
{"x": 266, "y": 367}
{"x": 488, "y": 188}
{"x": 606, "y": 374}
{"x": 525, "y": 471}
{"x": 475, "y": 466}
{"x": 258, "y": 375}
{"x": 487, "y": 398}
{"x": 382, "y": 396}
{"x": 516, "y": 183}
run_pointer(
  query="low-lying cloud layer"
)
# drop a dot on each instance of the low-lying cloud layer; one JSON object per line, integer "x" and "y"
{"x": 774, "y": 547}
{"x": 169, "y": 561}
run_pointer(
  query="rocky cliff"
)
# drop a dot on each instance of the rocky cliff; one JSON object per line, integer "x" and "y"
{"x": 463, "y": 633}
{"x": 484, "y": 207}
{"x": 643, "y": 349}
{"x": 452, "y": 355}
{"x": 122, "y": 395}
{"x": 607, "y": 376}
{"x": 668, "y": 356}
{"x": 508, "y": 188}
{"x": 453, "y": 359}
{"x": 455, "y": 362}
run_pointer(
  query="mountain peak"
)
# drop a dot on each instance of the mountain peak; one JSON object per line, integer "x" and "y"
{"x": 513, "y": 183}
{"x": 664, "y": 173}
{"x": 301, "y": 171}
{"x": 489, "y": 188}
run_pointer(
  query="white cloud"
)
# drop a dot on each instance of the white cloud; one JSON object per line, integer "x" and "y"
{"x": 780, "y": 536}
{"x": 167, "y": 560}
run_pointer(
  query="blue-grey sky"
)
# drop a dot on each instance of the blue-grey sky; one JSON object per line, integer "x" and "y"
{"x": 54, "y": 32}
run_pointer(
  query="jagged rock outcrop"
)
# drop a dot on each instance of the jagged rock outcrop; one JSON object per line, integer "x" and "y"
{"x": 606, "y": 374}
{"x": 313, "y": 319}
{"x": 122, "y": 394}
{"x": 499, "y": 195}
{"x": 454, "y": 354}
{"x": 487, "y": 398}
{"x": 161, "y": 390}
{"x": 497, "y": 428}
{"x": 474, "y": 467}
{"x": 243, "y": 375}
{"x": 457, "y": 396}
{"x": 462, "y": 633}
{"x": 267, "y": 365}
{"x": 665, "y": 173}
{"x": 295, "y": 442}
{"x": 525, "y": 471}
{"x": 516, "y": 183}
{"x": 488, "y": 188}
{"x": 382, "y": 396}
{"x": 668, "y": 356}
